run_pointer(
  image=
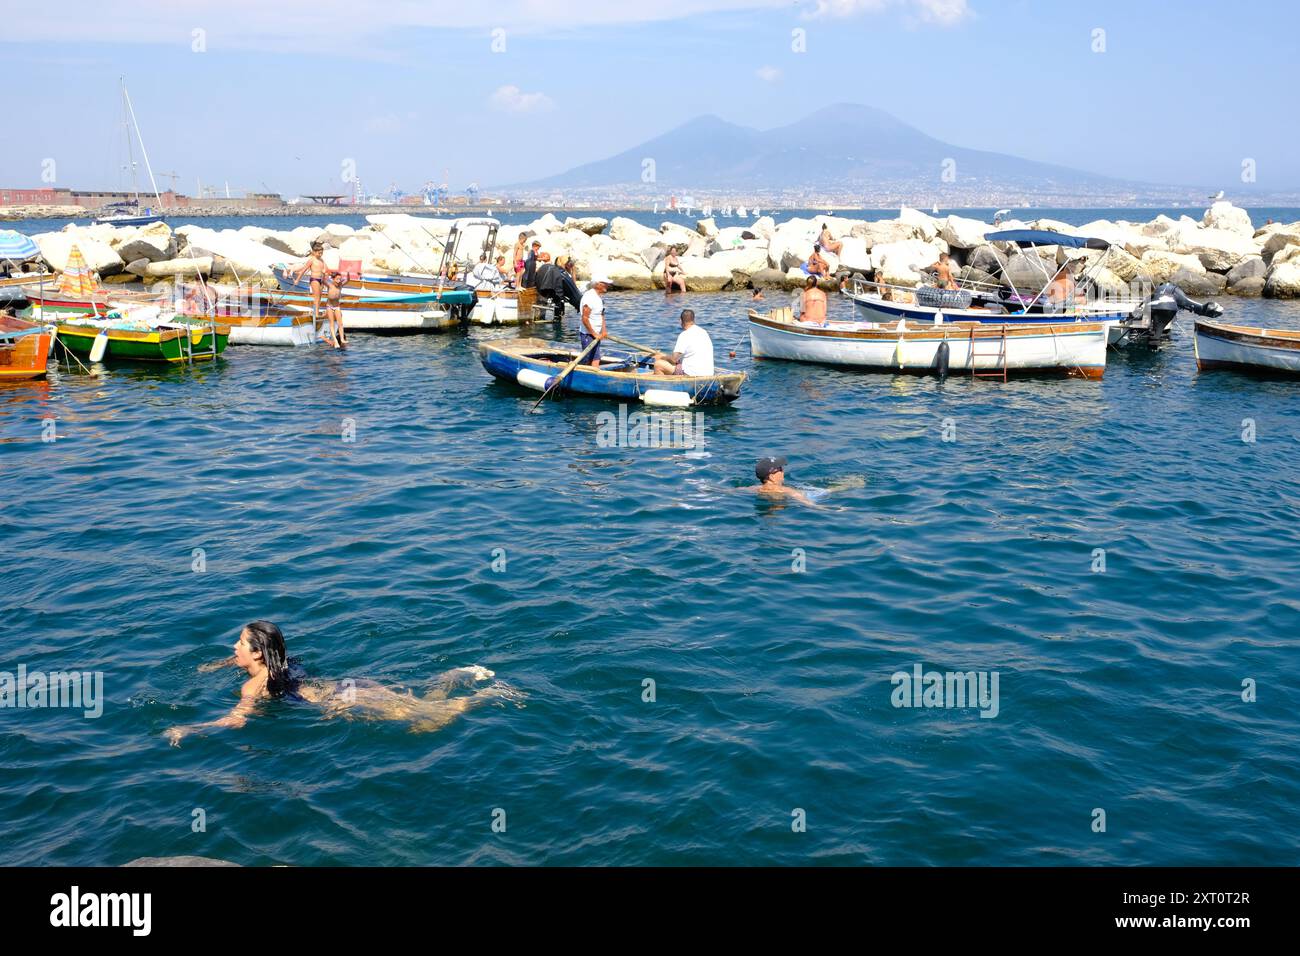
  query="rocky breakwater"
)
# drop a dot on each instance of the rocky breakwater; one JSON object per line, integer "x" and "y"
{"x": 1223, "y": 252}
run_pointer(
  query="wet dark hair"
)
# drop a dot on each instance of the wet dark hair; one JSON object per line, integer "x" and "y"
{"x": 265, "y": 638}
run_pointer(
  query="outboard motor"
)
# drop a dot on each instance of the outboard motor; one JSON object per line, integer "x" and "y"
{"x": 555, "y": 287}
{"x": 1151, "y": 320}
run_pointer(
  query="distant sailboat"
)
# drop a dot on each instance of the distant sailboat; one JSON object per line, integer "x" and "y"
{"x": 934, "y": 210}
{"x": 131, "y": 214}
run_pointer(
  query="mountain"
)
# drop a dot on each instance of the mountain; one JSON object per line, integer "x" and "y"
{"x": 842, "y": 146}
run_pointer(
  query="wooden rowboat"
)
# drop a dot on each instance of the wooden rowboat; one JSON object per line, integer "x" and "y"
{"x": 1246, "y": 348}
{"x": 533, "y": 363}
{"x": 24, "y": 348}
{"x": 166, "y": 342}
{"x": 980, "y": 349}
{"x": 273, "y": 326}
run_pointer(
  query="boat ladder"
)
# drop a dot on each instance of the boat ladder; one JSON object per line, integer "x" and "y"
{"x": 999, "y": 357}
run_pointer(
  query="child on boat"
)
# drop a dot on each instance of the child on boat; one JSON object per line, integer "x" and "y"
{"x": 316, "y": 264}
{"x": 333, "y": 310}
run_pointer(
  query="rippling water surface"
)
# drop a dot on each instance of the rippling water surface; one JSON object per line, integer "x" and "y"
{"x": 1119, "y": 690}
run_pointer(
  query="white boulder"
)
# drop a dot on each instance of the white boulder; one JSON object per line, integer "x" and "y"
{"x": 742, "y": 263}
{"x": 631, "y": 232}
{"x": 900, "y": 263}
{"x": 854, "y": 256}
{"x": 962, "y": 233}
{"x": 927, "y": 226}
{"x": 1283, "y": 281}
{"x": 624, "y": 273}
{"x": 56, "y": 247}
{"x": 1218, "y": 249}
{"x": 590, "y": 225}
{"x": 179, "y": 267}
{"x": 1162, "y": 265}
{"x": 886, "y": 230}
{"x": 1224, "y": 215}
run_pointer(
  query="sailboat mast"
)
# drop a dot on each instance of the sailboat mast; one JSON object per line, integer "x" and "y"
{"x": 131, "y": 110}
{"x": 130, "y": 152}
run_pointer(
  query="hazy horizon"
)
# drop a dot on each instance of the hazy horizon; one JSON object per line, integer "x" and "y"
{"x": 283, "y": 98}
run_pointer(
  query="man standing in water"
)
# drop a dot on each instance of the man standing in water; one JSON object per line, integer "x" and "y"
{"x": 592, "y": 310}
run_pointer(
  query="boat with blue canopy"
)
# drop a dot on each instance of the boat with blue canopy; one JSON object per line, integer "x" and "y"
{"x": 1060, "y": 297}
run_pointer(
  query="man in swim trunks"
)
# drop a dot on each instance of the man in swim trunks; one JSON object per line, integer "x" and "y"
{"x": 1061, "y": 291}
{"x": 944, "y": 268}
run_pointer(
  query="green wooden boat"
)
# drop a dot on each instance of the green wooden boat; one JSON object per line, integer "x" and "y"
{"x": 166, "y": 343}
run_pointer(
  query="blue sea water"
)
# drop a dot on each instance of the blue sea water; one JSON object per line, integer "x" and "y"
{"x": 1120, "y": 690}
{"x": 1074, "y": 217}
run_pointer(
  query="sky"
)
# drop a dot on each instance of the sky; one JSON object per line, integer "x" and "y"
{"x": 290, "y": 95}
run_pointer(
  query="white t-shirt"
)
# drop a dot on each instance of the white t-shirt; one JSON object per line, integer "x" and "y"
{"x": 591, "y": 299}
{"x": 696, "y": 349}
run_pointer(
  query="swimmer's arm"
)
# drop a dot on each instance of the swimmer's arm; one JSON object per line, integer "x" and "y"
{"x": 237, "y": 717}
{"x": 800, "y": 497}
{"x": 216, "y": 665}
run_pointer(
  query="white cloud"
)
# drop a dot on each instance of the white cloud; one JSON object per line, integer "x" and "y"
{"x": 768, "y": 74}
{"x": 944, "y": 13}
{"x": 511, "y": 99}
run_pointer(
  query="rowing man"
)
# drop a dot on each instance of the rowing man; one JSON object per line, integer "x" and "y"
{"x": 592, "y": 311}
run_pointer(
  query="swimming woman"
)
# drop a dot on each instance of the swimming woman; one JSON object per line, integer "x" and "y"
{"x": 260, "y": 652}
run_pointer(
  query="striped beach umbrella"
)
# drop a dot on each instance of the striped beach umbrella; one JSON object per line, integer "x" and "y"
{"x": 16, "y": 247}
{"x": 78, "y": 280}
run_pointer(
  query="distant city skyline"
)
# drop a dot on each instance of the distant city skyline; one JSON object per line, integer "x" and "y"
{"x": 289, "y": 97}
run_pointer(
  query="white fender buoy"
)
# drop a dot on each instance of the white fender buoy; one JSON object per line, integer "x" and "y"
{"x": 530, "y": 378}
{"x": 663, "y": 396}
{"x": 99, "y": 346}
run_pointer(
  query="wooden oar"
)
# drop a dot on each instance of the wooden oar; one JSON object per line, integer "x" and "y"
{"x": 565, "y": 374}
{"x": 634, "y": 345}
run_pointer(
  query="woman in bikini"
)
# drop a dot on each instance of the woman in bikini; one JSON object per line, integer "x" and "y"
{"x": 273, "y": 676}
{"x": 673, "y": 272}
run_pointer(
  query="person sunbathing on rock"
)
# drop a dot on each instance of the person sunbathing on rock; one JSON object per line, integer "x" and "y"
{"x": 273, "y": 675}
